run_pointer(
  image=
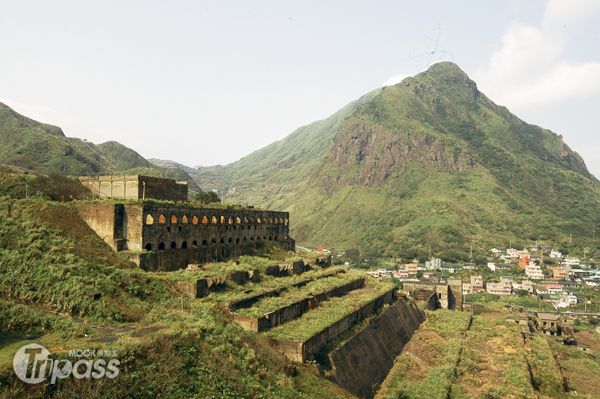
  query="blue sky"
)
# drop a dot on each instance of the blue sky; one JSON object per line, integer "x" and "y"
{"x": 208, "y": 82}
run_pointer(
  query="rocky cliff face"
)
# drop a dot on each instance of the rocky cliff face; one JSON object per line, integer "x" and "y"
{"x": 374, "y": 153}
{"x": 429, "y": 161}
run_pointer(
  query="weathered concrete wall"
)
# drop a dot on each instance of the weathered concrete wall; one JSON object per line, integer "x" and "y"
{"x": 285, "y": 269}
{"x": 101, "y": 218}
{"x": 132, "y": 227}
{"x": 300, "y": 352}
{"x": 165, "y": 261}
{"x": 364, "y": 360}
{"x": 172, "y": 237}
{"x": 449, "y": 296}
{"x": 163, "y": 189}
{"x": 295, "y": 309}
{"x": 314, "y": 344}
{"x": 136, "y": 187}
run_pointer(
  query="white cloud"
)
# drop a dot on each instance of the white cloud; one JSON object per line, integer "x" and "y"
{"x": 560, "y": 13}
{"x": 529, "y": 69}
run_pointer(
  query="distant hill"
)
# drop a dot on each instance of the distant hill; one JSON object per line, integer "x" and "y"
{"x": 430, "y": 161}
{"x": 28, "y": 145}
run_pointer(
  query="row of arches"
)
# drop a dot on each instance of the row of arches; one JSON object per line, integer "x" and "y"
{"x": 204, "y": 219}
{"x": 205, "y": 243}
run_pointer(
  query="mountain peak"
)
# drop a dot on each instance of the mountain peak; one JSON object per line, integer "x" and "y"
{"x": 446, "y": 68}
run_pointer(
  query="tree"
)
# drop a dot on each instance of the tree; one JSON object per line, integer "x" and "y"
{"x": 206, "y": 197}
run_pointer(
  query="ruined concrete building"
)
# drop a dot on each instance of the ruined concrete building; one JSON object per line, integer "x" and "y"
{"x": 170, "y": 236}
{"x": 437, "y": 295}
{"x": 136, "y": 187}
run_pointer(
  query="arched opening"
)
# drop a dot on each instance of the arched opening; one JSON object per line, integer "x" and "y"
{"x": 222, "y": 219}
{"x": 244, "y": 239}
{"x": 184, "y": 219}
{"x": 194, "y": 244}
{"x": 245, "y": 219}
{"x": 214, "y": 241}
{"x": 237, "y": 240}
{"x": 286, "y": 221}
{"x": 173, "y": 219}
{"x": 213, "y": 220}
{"x": 161, "y": 246}
{"x": 162, "y": 219}
{"x": 173, "y": 245}
{"x": 230, "y": 220}
{"x": 222, "y": 241}
{"x": 204, "y": 220}
{"x": 258, "y": 220}
{"x": 148, "y": 247}
{"x": 194, "y": 220}
{"x": 149, "y": 219}
{"x": 251, "y": 238}
{"x": 204, "y": 243}
{"x": 270, "y": 238}
{"x": 271, "y": 220}
{"x": 184, "y": 244}
{"x": 230, "y": 239}
{"x": 238, "y": 220}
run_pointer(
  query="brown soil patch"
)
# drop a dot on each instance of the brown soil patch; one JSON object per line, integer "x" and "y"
{"x": 589, "y": 339}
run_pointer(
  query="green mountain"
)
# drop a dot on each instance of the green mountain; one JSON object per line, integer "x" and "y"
{"x": 33, "y": 146}
{"x": 430, "y": 161}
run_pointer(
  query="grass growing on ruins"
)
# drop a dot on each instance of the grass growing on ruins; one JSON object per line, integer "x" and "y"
{"x": 292, "y": 295}
{"x": 234, "y": 292}
{"x": 58, "y": 287}
{"x": 329, "y": 312}
{"x": 494, "y": 361}
{"x": 546, "y": 375}
{"x": 426, "y": 367}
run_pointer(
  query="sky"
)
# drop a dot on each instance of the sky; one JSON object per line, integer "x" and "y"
{"x": 208, "y": 82}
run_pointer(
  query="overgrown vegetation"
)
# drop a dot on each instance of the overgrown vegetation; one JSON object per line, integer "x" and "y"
{"x": 427, "y": 366}
{"x": 329, "y": 311}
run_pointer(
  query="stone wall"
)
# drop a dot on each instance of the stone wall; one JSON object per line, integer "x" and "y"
{"x": 171, "y": 237}
{"x": 365, "y": 359}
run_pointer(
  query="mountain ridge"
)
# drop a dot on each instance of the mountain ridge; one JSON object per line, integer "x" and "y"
{"x": 428, "y": 161}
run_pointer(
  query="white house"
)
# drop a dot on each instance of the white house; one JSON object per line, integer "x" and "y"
{"x": 534, "y": 271}
{"x": 571, "y": 262}
{"x": 556, "y": 254}
{"x": 433, "y": 264}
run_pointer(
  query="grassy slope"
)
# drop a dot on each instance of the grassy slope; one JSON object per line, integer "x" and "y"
{"x": 58, "y": 279}
{"x": 44, "y": 148}
{"x": 426, "y": 366}
{"x": 523, "y": 182}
